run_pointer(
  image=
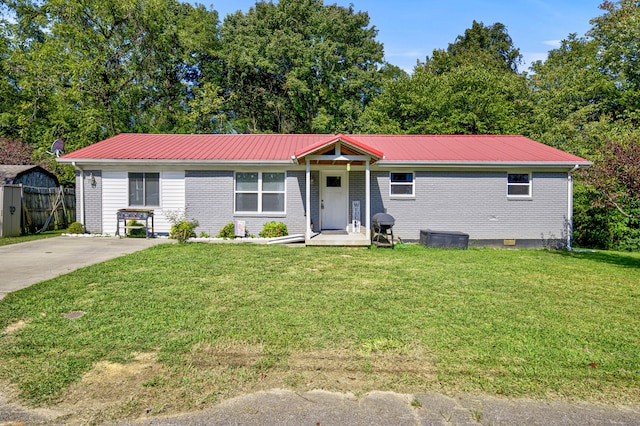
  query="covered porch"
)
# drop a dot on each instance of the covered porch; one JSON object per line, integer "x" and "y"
{"x": 342, "y": 219}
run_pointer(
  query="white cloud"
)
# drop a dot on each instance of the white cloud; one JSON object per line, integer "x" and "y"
{"x": 553, "y": 43}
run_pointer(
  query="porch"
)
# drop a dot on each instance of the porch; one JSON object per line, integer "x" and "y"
{"x": 338, "y": 238}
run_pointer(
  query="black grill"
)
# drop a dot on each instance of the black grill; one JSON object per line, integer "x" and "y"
{"x": 382, "y": 230}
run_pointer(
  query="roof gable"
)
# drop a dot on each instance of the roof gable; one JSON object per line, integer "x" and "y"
{"x": 351, "y": 142}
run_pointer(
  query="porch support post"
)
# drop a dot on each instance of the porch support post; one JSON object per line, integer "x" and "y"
{"x": 308, "y": 201}
{"x": 367, "y": 186}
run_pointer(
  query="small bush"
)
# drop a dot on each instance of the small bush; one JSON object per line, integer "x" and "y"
{"x": 136, "y": 233}
{"x": 228, "y": 231}
{"x": 76, "y": 228}
{"x": 274, "y": 230}
{"x": 204, "y": 235}
{"x": 183, "y": 229}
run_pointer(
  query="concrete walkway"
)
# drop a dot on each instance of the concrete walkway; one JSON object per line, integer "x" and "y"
{"x": 24, "y": 264}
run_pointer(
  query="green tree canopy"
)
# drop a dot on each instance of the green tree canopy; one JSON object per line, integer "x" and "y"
{"x": 573, "y": 97}
{"x": 85, "y": 71}
{"x": 466, "y": 100}
{"x": 299, "y": 66}
{"x": 479, "y": 45}
{"x": 616, "y": 34}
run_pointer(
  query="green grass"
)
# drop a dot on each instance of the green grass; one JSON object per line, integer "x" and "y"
{"x": 222, "y": 318}
{"x": 5, "y": 241}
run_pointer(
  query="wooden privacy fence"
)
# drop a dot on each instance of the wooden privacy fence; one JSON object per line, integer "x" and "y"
{"x": 38, "y": 204}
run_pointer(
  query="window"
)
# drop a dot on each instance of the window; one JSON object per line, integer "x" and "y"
{"x": 519, "y": 185}
{"x": 258, "y": 192}
{"x": 144, "y": 189}
{"x": 334, "y": 181}
{"x": 401, "y": 185}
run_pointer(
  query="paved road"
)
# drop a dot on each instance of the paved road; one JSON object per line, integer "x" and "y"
{"x": 287, "y": 408}
{"x": 22, "y": 265}
{"x": 281, "y": 407}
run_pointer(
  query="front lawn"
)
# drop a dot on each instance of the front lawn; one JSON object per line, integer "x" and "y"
{"x": 5, "y": 241}
{"x": 177, "y": 327}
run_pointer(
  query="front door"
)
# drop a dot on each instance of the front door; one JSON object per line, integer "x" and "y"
{"x": 334, "y": 200}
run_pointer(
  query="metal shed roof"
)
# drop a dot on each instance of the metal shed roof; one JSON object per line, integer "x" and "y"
{"x": 9, "y": 174}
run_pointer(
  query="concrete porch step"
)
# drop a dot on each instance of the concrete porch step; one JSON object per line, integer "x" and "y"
{"x": 356, "y": 240}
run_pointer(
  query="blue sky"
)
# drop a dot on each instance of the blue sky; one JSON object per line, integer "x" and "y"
{"x": 411, "y": 29}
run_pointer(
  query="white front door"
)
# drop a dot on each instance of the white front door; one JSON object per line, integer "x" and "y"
{"x": 334, "y": 200}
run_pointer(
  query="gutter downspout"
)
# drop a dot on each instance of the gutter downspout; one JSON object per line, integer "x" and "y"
{"x": 80, "y": 208}
{"x": 570, "y": 207}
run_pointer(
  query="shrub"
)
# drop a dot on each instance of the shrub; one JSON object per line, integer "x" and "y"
{"x": 136, "y": 233}
{"x": 274, "y": 230}
{"x": 204, "y": 235}
{"x": 183, "y": 230}
{"x": 76, "y": 228}
{"x": 228, "y": 231}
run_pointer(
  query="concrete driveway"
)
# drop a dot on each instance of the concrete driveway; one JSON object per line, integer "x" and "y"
{"x": 24, "y": 264}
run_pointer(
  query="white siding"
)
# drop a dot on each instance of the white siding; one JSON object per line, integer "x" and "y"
{"x": 172, "y": 198}
{"x": 115, "y": 196}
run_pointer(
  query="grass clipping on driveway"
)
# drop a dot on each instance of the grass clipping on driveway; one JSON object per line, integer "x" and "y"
{"x": 180, "y": 327}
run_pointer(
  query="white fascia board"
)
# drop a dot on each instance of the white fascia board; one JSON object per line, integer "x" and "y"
{"x": 481, "y": 165}
{"x": 189, "y": 163}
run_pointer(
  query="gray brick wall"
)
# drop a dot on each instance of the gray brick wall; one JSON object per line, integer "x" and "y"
{"x": 209, "y": 200}
{"x": 93, "y": 200}
{"x": 476, "y": 203}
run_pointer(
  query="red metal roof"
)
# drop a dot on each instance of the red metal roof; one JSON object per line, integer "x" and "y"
{"x": 274, "y": 147}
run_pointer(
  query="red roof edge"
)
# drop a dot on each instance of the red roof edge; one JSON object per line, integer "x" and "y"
{"x": 335, "y": 138}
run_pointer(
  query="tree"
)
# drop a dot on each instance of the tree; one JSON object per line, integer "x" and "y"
{"x": 14, "y": 152}
{"x": 586, "y": 93}
{"x": 616, "y": 34}
{"x": 490, "y": 46}
{"x": 573, "y": 97}
{"x": 299, "y": 66}
{"x": 465, "y": 100}
{"x": 88, "y": 70}
{"x": 608, "y": 211}
{"x": 616, "y": 176}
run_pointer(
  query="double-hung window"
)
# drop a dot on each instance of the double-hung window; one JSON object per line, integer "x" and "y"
{"x": 401, "y": 184}
{"x": 260, "y": 192}
{"x": 519, "y": 185}
{"x": 144, "y": 189}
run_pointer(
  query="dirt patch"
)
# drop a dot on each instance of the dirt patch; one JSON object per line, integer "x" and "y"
{"x": 111, "y": 390}
{"x": 12, "y": 328}
{"x": 73, "y": 314}
{"x": 233, "y": 354}
{"x": 209, "y": 374}
{"x": 344, "y": 371}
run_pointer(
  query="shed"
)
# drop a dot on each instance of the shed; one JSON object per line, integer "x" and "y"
{"x": 27, "y": 175}
{"x": 40, "y": 195}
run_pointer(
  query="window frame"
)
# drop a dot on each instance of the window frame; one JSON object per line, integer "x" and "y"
{"x": 528, "y": 184}
{"x": 145, "y": 201}
{"x": 260, "y": 191}
{"x": 412, "y": 184}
